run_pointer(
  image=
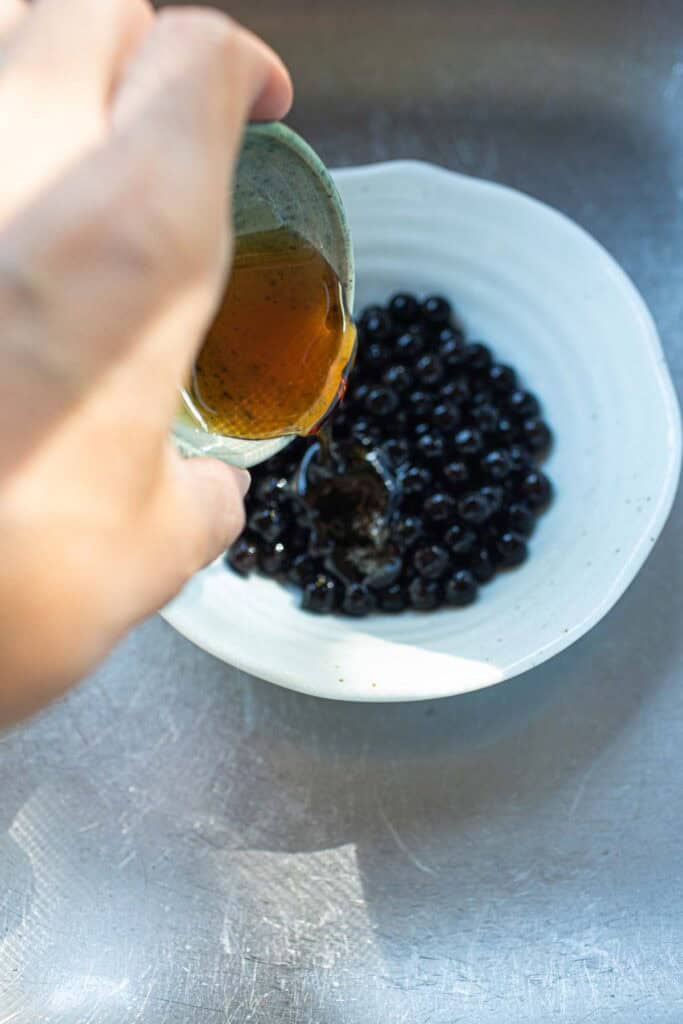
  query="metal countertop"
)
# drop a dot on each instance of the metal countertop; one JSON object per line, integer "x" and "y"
{"x": 180, "y": 844}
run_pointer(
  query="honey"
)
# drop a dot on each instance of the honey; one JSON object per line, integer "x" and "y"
{"x": 275, "y": 359}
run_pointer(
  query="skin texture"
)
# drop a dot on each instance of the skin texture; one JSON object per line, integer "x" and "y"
{"x": 114, "y": 201}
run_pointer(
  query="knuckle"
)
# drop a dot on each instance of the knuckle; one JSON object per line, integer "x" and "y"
{"x": 22, "y": 288}
{"x": 221, "y": 55}
{"x": 158, "y": 232}
{"x": 29, "y": 308}
{"x": 201, "y": 26}
{"x": 132, "y": 13}
{"x": 151, "y": 224}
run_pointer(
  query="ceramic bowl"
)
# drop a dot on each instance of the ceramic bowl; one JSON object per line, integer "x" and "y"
{"x": 550, "y": 300}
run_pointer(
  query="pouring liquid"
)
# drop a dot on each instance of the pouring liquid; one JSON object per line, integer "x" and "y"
{"x": 346, "y": 494}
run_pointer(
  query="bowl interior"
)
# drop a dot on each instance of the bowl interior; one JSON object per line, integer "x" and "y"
{"x": 551, "y": 301}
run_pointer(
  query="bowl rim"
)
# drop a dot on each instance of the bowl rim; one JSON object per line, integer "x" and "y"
{"x": 245, "y": 658}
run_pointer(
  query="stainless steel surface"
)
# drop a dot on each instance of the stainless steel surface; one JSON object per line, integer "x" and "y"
{"x": 183, "y": 845}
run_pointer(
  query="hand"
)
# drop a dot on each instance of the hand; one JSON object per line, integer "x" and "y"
{"x": 119, "y": 131}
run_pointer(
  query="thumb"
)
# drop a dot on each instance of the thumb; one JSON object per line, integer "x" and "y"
{"x": 211, "y": 502}
{"x": 197, "y": 513}
{"x": 213, "y": 494}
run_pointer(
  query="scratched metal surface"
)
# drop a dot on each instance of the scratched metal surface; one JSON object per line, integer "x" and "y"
{"x": 180, "y": 844}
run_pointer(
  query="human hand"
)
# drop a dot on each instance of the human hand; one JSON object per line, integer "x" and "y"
{"x": 120, "y": 130}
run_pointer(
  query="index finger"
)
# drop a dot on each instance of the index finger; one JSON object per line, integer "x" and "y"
{"x": 179, "y": 34}
{"x": 276, "y": 97}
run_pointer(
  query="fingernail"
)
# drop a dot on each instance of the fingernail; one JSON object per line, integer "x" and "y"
{"x": 243, "y": 480}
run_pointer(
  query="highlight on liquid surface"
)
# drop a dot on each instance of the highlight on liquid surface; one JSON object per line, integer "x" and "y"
{"x": 278, "y": 350}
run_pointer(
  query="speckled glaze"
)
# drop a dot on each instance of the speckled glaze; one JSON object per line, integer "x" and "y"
{"x": 280, "y": 181}
{"x": 553, "y": 302}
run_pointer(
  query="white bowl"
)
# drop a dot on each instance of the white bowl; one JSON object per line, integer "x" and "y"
{"x": 550, "y": 300}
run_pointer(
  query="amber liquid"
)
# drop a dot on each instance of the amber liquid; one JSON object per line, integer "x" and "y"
{"x": 276, "y": 357}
